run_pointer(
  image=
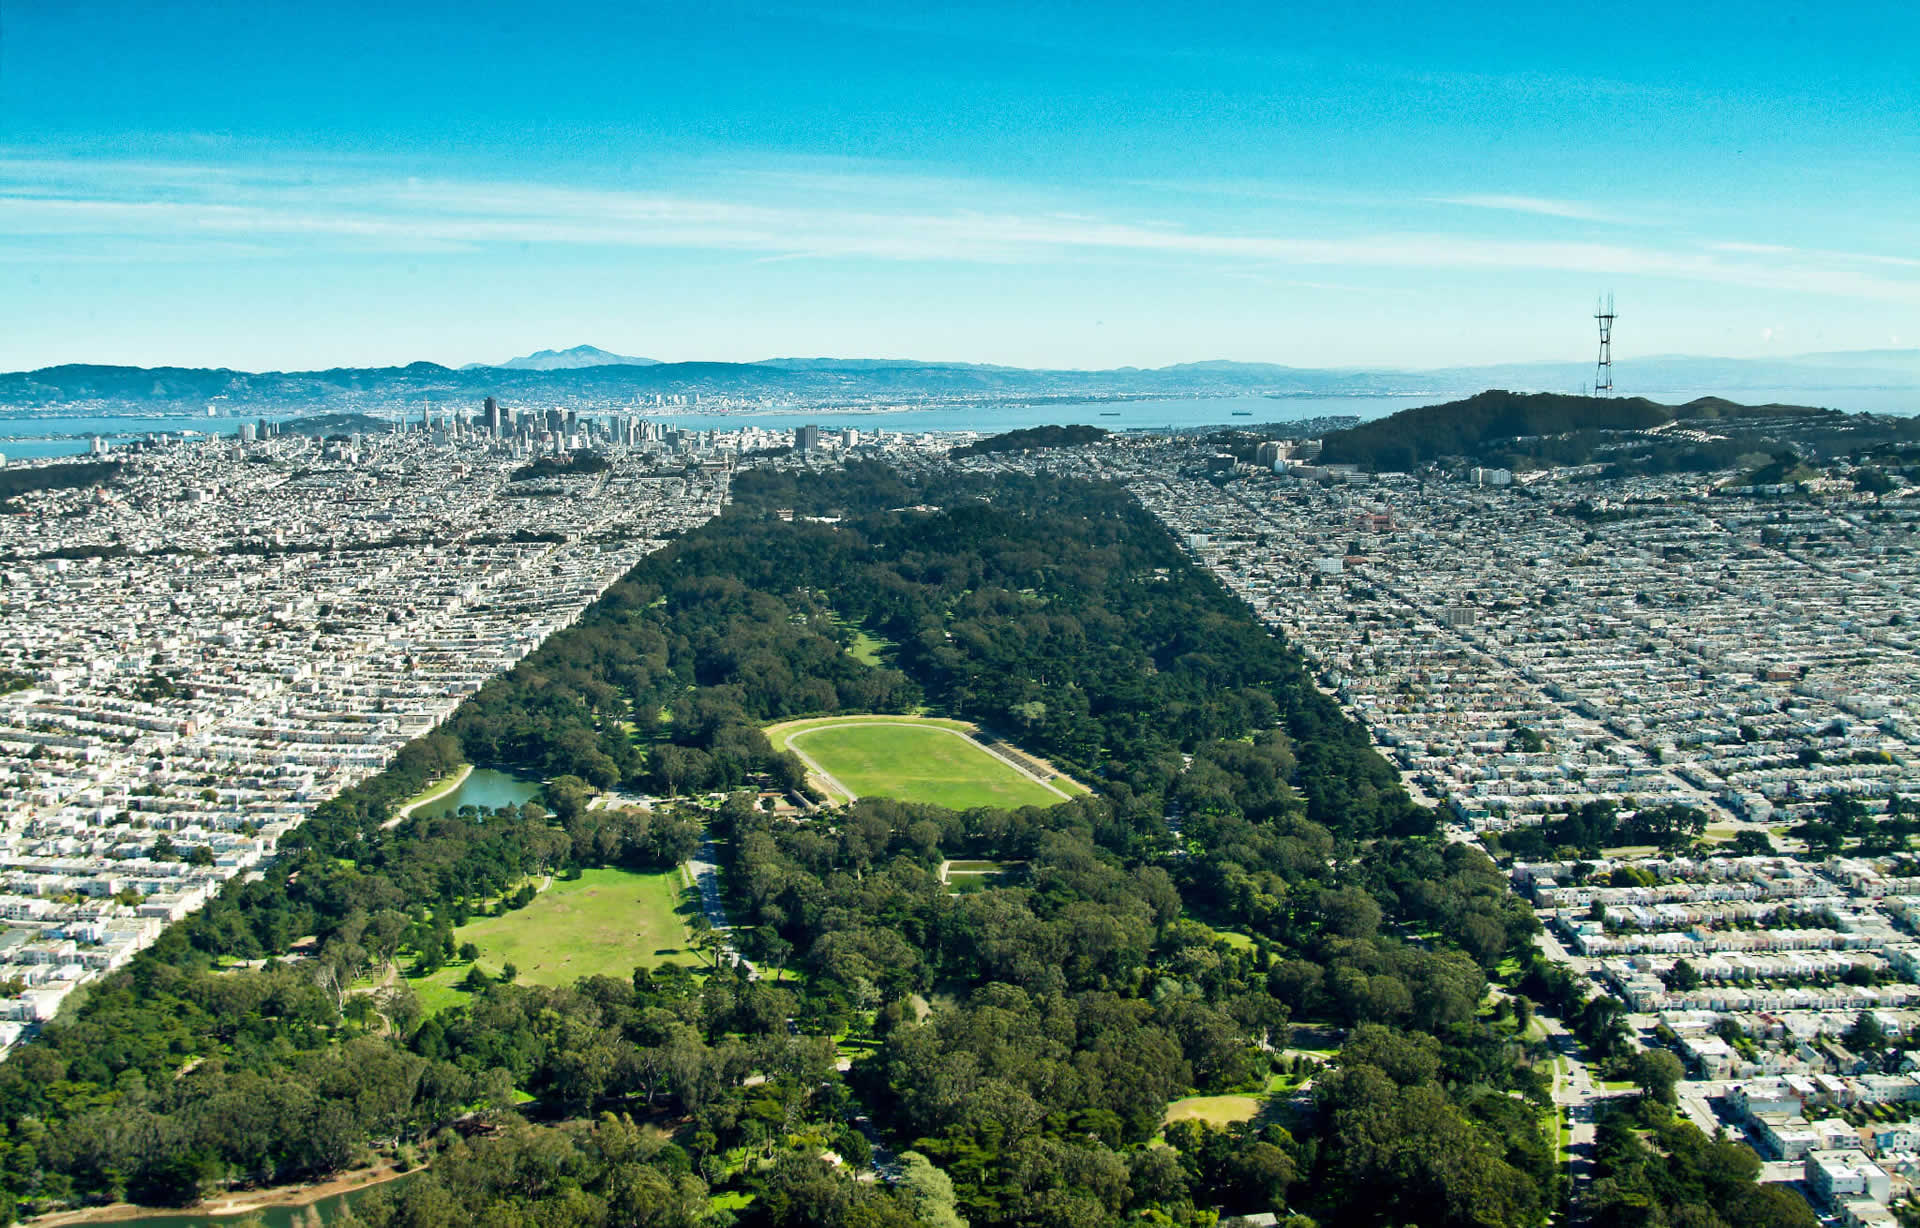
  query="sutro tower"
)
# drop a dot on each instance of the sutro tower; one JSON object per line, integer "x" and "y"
{"x": 1603, "y": 370}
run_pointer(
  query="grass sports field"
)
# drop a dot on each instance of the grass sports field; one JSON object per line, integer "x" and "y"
{"x": 1214, "y": 1110}
{"x": 605, "y": 921}
{"x": 914, "y": 759}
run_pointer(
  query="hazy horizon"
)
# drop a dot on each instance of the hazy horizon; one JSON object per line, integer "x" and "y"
{"x": 1865, "y": 356}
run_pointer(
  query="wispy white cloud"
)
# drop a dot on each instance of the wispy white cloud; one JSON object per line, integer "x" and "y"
{"x": 69, "y": 207}
{"x": 1825, "y": 255}
{"x": 1540, "y": 206}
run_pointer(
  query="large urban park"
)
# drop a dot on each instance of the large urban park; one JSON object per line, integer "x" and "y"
{"x": 607, "y": 921}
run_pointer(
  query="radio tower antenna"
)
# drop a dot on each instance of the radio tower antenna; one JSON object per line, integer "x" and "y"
{"x": 1603, "y": 370}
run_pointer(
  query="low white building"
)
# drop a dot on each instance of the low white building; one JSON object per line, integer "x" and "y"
{"x": 1839, "y": 1177}
{"x": 1866, "y": 1213}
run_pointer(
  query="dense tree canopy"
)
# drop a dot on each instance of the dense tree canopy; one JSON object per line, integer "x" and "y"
{"x": 1247, "y": 864}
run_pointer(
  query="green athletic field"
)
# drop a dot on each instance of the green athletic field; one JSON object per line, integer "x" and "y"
{"x": 912, "y": 759}
{"x": 606, "y": 921}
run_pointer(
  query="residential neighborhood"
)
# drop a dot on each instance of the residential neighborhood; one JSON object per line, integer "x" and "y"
{"x": 1737, "y": 667}
{"x": 1713, "y": 687}
{"x": 233, "y": 631}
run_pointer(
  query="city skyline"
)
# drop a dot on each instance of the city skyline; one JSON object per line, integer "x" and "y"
{"x": 1047, "y": 187}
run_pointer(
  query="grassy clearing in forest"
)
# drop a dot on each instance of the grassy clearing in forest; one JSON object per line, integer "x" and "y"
{"x": 1214, "y": 1110}
{"x": 869, "y": 649}
{"x": 912, "y": 760}
{"x": 605, "y": 921}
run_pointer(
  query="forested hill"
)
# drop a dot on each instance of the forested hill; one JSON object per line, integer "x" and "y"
{"x": 1486, "y": 426}
{"x": 321, "y": 425}
{"x": 67, "y": 476}
{"x": 1032, "y": 437}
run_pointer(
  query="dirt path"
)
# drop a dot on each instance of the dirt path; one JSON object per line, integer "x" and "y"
{"x": 826, "y": 778}
{"x": 239, "y": 1203}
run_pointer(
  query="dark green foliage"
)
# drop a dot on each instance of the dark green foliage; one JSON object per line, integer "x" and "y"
{"x": 290, "y": 1075}
{"x": 607, "y": 1173}
{"x": 1598, "y": 824}
{"x": 1414, "y": 437}
{"x": 1866, "y": 1035}
{"x": 1657, "y": 1074}
{"x": 697, "y": 662}
{"x": 1062, "y": 615}
{"x": 1399, "y": 1149}
{"x": 340, "y": 426}
{"x": 1530, "y": 431}
{"x": 1677, "y": 1175}
{"x": 1032, "y": 437}
{"x": 20, "y": 479}
{"x": 1024, "y": 1038}
{"x": 1058, "y": 614}
{"x": 568, "y": 464}
{"x": 1872, "y": 481}
{"x": 1749, "y": 842}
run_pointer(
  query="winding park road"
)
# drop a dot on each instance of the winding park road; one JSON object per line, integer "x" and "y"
{"x": 703, "y": 869}
{"x": 813, "y": 765}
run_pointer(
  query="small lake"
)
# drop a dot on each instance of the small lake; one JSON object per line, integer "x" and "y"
{"x": 482, "y": 787}
{"x": 274, "y": 1217}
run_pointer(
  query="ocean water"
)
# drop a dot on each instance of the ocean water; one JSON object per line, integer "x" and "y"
{"x": 23, "y": 437}
{"x": 1156, "y": 414}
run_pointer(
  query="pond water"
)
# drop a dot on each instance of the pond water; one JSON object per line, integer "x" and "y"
{"x": 275, "y": 1217}
{"x": 482, "y": 787}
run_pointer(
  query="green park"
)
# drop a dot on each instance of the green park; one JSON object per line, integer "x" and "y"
{"x": 596, "y": 922}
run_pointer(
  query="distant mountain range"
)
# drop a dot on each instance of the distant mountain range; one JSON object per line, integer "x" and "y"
{"x": 571, "y": 360}
{"x": 587, "y": 376}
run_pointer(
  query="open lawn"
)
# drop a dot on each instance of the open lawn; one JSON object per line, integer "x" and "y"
{"x": 911, "y": 759}
{"x": 869, "y": 649}
{"x": 866, "y": 647}
{"x": 1235, "y": 939}
{"x": 605, "y": 921}
{"x": 1214, "y": 1110}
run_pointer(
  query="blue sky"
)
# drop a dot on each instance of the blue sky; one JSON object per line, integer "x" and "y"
{"x": 280, "y": 185}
